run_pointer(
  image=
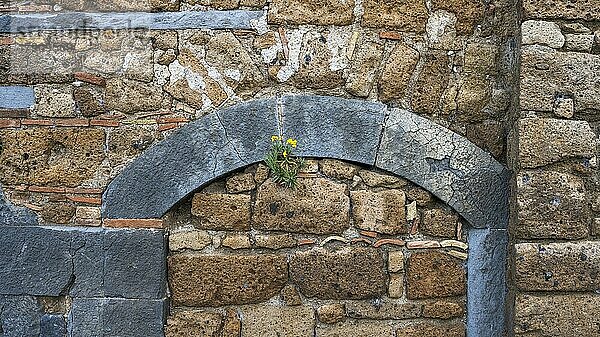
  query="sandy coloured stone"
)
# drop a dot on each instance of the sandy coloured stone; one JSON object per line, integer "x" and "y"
{"x": 236, "y": 241}
{"x": 273, "y": 321}
{"x": 441, "y": 30}
{"x": 542, "y": 32}
{"x": 164, "y": 39}
{"x": 439, "y": 222}
{"x": 561, "y": 266}
{"x": 473, "y": 95}
{"x": 376, "y": 179}
{"x": 189, "y": 239}
{"x": 551, "y": 205}
{"x": 397, "y": 72}
{"x": 89, "y": 100}
{"x": 562, "y": 315}
{"x": 488, "y": 135}
{"x": 128, "y": 142}
{"x": 349, "y": 273}
{"x": 354, "y": 328}
{"x": 331, "y": 313}
{"x": 218, "y": 211}
{"x": 383, "y": 310}
{"x": 193, "y": 324}
{"x": 54, "y": 157}
{"x": 316, "y": 62}
{"x": 433, "y": 274}
{"x": 58, "y": 212}
{"x": 432, "y": 330}
{"x": 579, "y": 42}
{"x": 364, "y": 67}
{"x": 318, "y": 206}
{"x": 217, "y": 280}
{"x": 337, "y": 169}
{"x": 301, "y": 12}
{"x": 443, "y": 309}
{"x": 395, "y": 261}
{"x": 54, "y": 100}
{"x": 381, "y": 212}
{"x": 232, "y": 325}
{"x": 566, "y": 10}
{"x": 276, "y": 241}
{"x": 404, "y": 15}
{"x": 240, "y": 183}
{"x": 468, "y": 13}
{"x": 564, "y": 107}
{"x": 396, "y": 286}
{"x": 290, "y": 295}
{"x": 432, "y": 83}
{"x": 419, "y": 195}
{"x": 481, "y": 58}
{"x": 131, "y": 96}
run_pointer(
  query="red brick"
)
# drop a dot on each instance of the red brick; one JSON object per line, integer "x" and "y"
{"x": 133, "y": 223}
{"x": 14, "y": 113}
{"x": 369, "y": 234}
{"x": 305, "y": 242}
{"x": 39, "y": 122}
{"x": 6, "y": 40}
{"x": 169, "y": 126}
{"x": 45, "y": 189}
{"x": 361, "y": 240}
{"x": 396, "y": 242}
{"x": 81, "y": 190}
{"x": 89, "y": 78}
{"x": 390, "y": 35}
{"x": 10, "y": 123}
{"x": 104, "y": 122}
{"x": 72, "y": 122}
{"x": 85, "y": 200}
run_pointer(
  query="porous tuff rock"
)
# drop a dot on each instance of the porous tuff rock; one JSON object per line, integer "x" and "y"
{"x": 219, "y": 211}
{"x": 381, "y": 212}
{"x": 433, "y": 274}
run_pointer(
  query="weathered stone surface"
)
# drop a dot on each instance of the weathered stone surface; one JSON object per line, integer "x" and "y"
{"x": 193, "y": 324}
{"x": 488, "y": 135}
{"x": 396, "y": 286}
{"x": 337, "y": 169}
{"x": 542, "y": 32}
{"x": 543, "y": 141}
{"x": 54, "y": 100}
{"x": 90, "y": 101}
{"x": 355, "y": 329}
{"x": 364, "y": 66}
{"x": 432, "y": 330}
{"x": 558, "y": 266}
{"x": 356, "y": 273}
{"x": 579, "y": 42}
{"x": 317, "y": 206}
{"x": 290, "y": 295}
{"x": 42, "y": 156}
{"x": 128, "y": 142}
{"x": 375, "y": 179}
{"x": 116, "y": 317}
{"x": 396, "y": 261}
{"x": 240, "y": 183}
{"x": 381, "y": 212}
{"x": 434, "y": 274}
{"x": 397, "y": 72}
{"x": 557, "y": 315}
{"x": 315, "y": 121}
{"x": 473, "y": 96}
{"x": 448, "y": 165}
{"x": 546, "y": 72}
{"x": 20, "y": 316}
{"x": 272, "y": 321}
{"x": 197, "y": 280}
{"x": 443, "y": 309}
{"x": 189, "y": 239}
{"x": 331, "y": 313}
{"x": 551, "y": 205}
{"x": 561, "y": 9}
{"x": 320, "y": 66}
{"x": 405, "y": 15}
{"x": 383, "y": 310}
{"x": 441, "y": 30}
{"x": 222, "y": 211}
{"x": 53, "y": 326}
{"x": 131, "y": 96}
{"x": 439, "y": 222}
{"x": 232, "y": 326}
{"x": 481, "y": 58}
{"x": 275, "y": 241}
{"x": 300, "y": 12}
{"x": 468, "y": 12}
{"x": 431, "y": 84}
{"x": 236, "y": 241}
{"x": 58, "y": 212}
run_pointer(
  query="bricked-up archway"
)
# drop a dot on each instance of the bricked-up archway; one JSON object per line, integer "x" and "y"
{"x": 448, "y": 165}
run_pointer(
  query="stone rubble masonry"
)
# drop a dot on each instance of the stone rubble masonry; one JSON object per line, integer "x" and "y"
{"x": 301, "y": 12}
{"x": 434, "y": 274}
{"x": 274, "y": 321}
{"x": 222, "y": 211}
{"x": 382, "y": 212}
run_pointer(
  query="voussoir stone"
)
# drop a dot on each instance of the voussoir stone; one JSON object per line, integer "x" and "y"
{"x": 405, "y": 15}
{"x": 219, "y": 211}
{"x": 551, "y": 205}
{"x": 273, "y": 321}
{"x": 558, "y": 266}
{"x": 544, "y": 141}
{"x": 557, "y": 315}
{"x": 357, "y": 273}
{"x": 397, "y": 72}
{"x": 223, "y": 280}
{"x": 300, "y": 12}
{"x": 542, "y": 32}
{"x": 317, "y": 206}
{"x": 381, "y": 212}
{"x": 433, "y": 274}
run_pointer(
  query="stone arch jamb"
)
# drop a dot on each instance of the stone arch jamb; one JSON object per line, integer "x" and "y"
{"x": 441, "y": 161}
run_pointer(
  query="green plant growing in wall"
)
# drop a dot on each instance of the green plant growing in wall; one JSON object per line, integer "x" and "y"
{"x": 282, "y": 161}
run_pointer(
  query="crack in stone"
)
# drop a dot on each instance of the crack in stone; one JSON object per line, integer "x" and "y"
{"x": 386, "y": 117}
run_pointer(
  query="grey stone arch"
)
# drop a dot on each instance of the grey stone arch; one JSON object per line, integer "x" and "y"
{"x": 448, "y": 165}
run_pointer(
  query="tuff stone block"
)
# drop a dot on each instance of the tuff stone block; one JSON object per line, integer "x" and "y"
{"x": 383, "y": 310}
{"x": 355, "y": 329}
{"x": 193, "y": 323}
{"x": 198, "y": 280}
{"x": 404, "y": 15}
{"x": 219, "y": 211}
{"x": 561, "y": 9}
{"x": 272, "y": 321}
{"x": 317, "y": 206}
{"x": 54, "y": 100}
{"x": 192, "y": 239}
{"x": 364, "y": 66}
{"x": 129, "y": 96}
{"x": 434, "y": 274}
{"x": 443, "y": 309}
{"x": 432, "y": 83}
{"x": 356, "y": 273}
{"x": 331, "y": 313}
{"x": 432, "y": 330}
{"x": 439, "y": 222}
{"x": 558, "y": 266}
{"x": 468, "y": 13}
{"x": 397, "y": 72}
{"x": 300, "y": 12}
{"x": 542, "y": 32}
{"x": 381, "y": 212}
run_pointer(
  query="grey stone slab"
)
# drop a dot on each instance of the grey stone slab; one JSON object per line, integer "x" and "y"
{"x": 448, "y": 165}
{"x": 116, "y": 317}
{"x": 234, "y": 19}
{"x": 191, "y": 157}
{"x": 53, "y": 326}
{"x": 11, "y": 215}
{"x": 19, "y": 317}
{"x": 333, "y": 127}
{"x": 486, "y": 287}
{"x": 16, "y": 97}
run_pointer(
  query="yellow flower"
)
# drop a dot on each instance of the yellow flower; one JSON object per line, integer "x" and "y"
{"x": 292, "y": 142}
{"x": 274, "y": 138}
{"x": 284, "y": 154}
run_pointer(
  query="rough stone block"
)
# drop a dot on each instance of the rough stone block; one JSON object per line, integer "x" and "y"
{"x": 468, "y": 13}
{"x": 397, "y": 72}
{"x": 300, "y": 12}
{"x": 558, "y": 266}
{"x": 356, "y": 273}
{"x": 193, "y": 324}
{"x": 54, "y": 100}
{"x": 561, "y": 9}
{"x": 194, "y": 239}
{"x": 317, "y": 206}
{"x": 433, "y": 274}
{"x": 11, "y": 215}
{"x": 557, "y": 315}
{"x": 240, "y": 183}
{"x": 331, "y": 313}
{"x": 443, "y": 309}
{"x": 275, "y": 241}
{"x": 432, "y": 83}
{"x": 579, "y": 42}
{"x": 355, "y": 329}
{"x": 383, "y": 310}
{"x": 127, "y": 142}
{"x": 381, "y": 212}
{"x": 396, "y": 286}
{"x": 404, "y": 15}
{"x": 131, "y": 96}
{"x": 338, "y": 169}
{"x": 222, "y": 280}
{"x": 272, "y": 321}
{"x": 542, "y": 32}
{"x": 551, "y": 205}
{"x": 116, "y": 317}
{"x": 56, "y": 157}
{"x": 396, "y": 261}
{"x": 53, "y": 326}
{"x": 222, "y": 211}
{"x": 432, "y": 330}
{"x": 546, "y": 72}
{"x": 439, "y": 222}
{"x": 20, "y": 317}
{"x": 364, "y": 66}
